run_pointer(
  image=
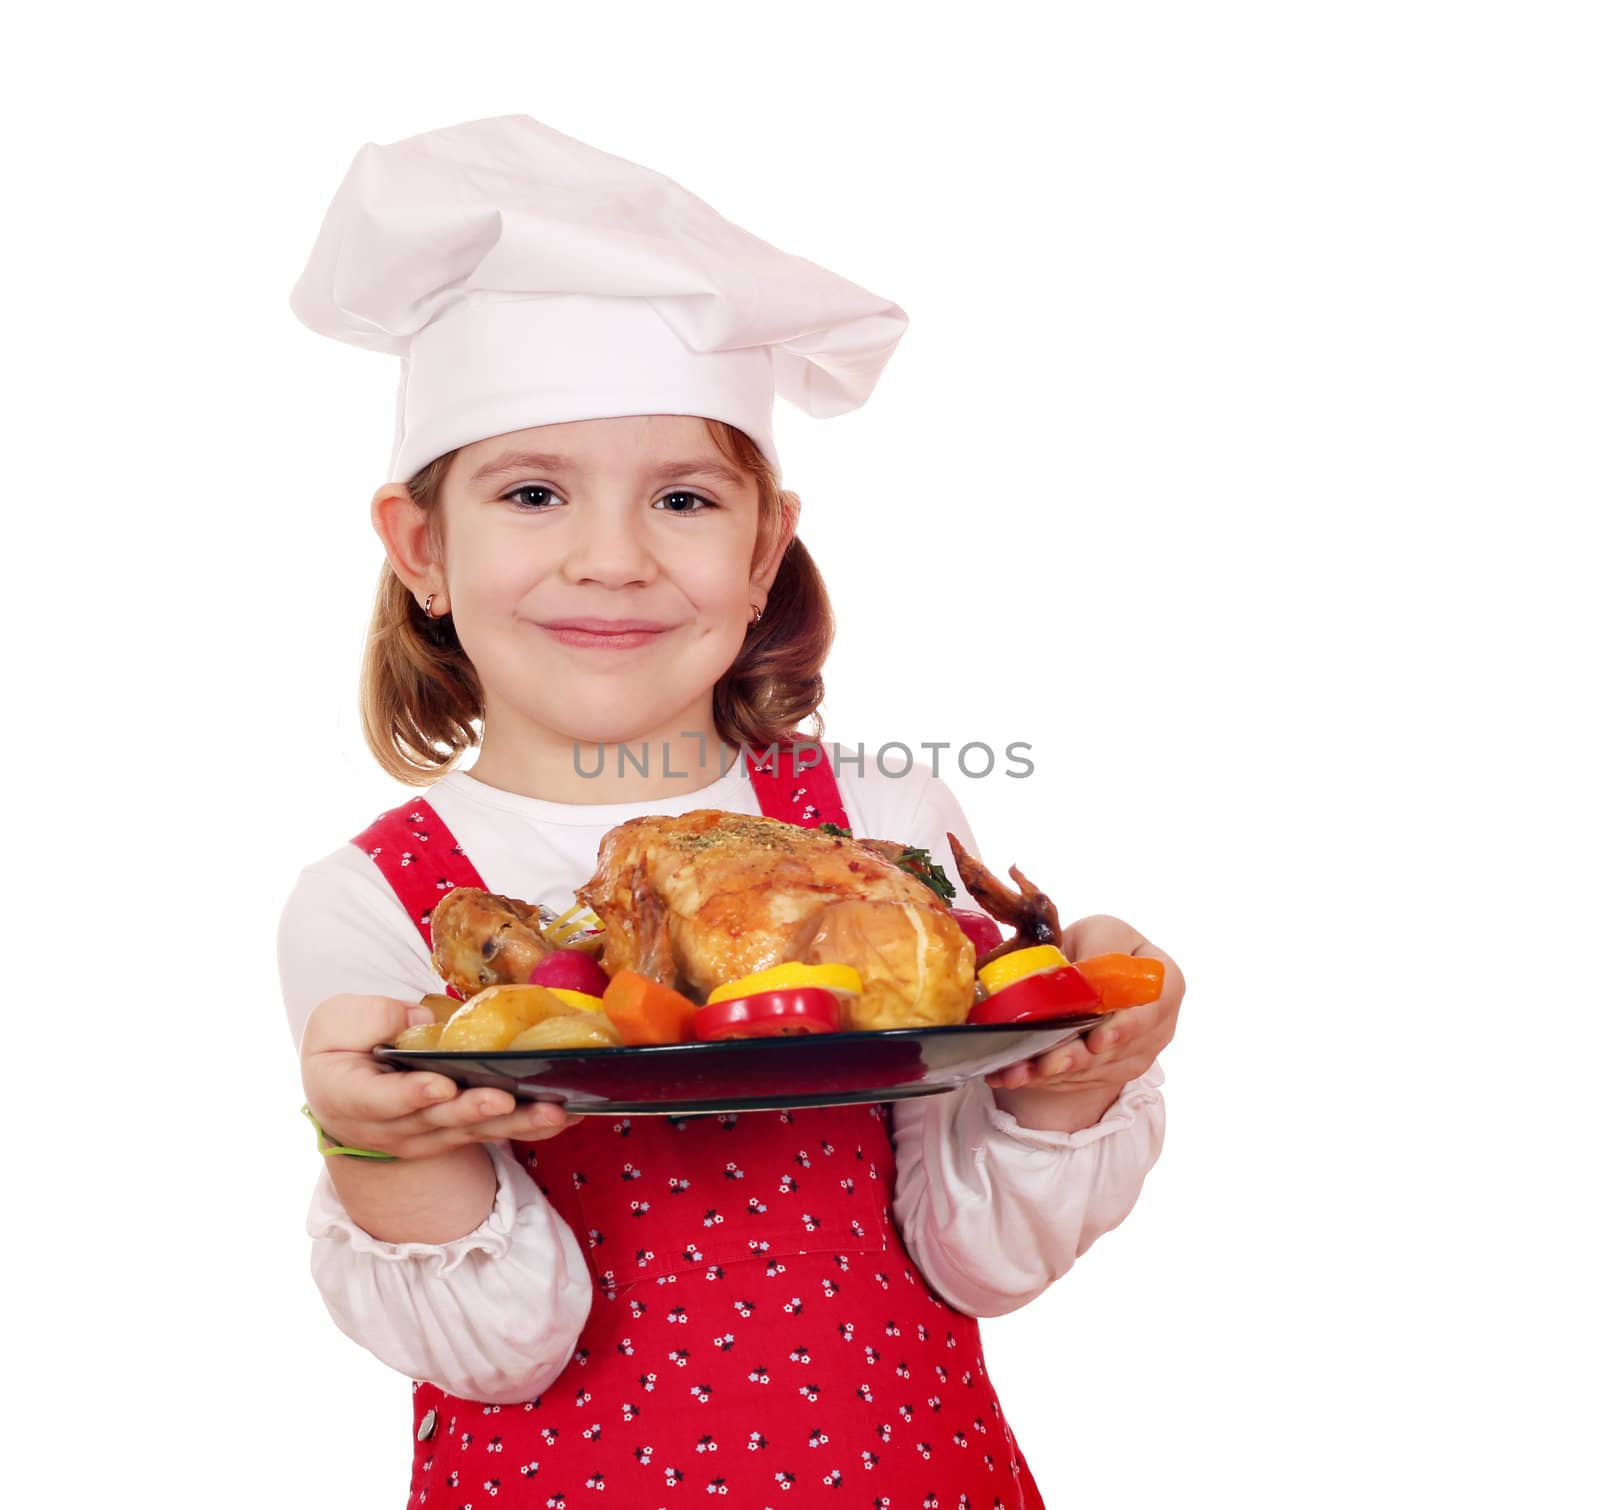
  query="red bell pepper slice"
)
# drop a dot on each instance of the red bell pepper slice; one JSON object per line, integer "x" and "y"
{"x": 769, "y": 1014}
{"x": 1062, "y": 992}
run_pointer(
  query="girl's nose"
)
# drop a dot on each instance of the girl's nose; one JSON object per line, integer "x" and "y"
{"x": 605, "y": 547}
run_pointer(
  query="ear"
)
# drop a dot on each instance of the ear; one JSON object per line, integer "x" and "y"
{"x": 766, "y": 567}
{"x": 403, "y": 528}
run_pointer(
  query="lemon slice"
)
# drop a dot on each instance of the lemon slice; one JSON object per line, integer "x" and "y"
{"x": 579, "y": 999}
{"x": 840, "y": 979}
{"x": 1010, "y": 968}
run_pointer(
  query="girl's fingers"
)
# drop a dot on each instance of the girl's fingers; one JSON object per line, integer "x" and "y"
{"x": 1101, "y": 1037}
{"x": 417, "y": 1113}
{"x": 356, "y": 1024}
{"x": 470, "y": 1105}
{"x": 357, "y": 1089}
{"x": 1092, "y": 1051}
{"x": 398, "y": 1103}
{"x": 1065, "y": 1058}
{"x": 531, "y": 1121}
{"x": 1013, "y": 1076}
{"x": 480, "y": 1112}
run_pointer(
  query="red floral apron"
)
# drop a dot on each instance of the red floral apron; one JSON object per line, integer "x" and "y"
{"x": 758, "y": 1330}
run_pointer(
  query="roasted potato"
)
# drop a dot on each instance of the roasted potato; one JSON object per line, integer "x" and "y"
{"x": 492, "y": 1018}
{"x": 442, "y": 1007}
{"x": 424, "y": 1036}
{"x": 585, "y": 1030}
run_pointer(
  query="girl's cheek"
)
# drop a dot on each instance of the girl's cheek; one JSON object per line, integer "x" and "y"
{"x": 722, "y": 587}
{"x": 503, "y": 578}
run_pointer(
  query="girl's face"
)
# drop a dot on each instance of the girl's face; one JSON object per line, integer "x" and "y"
{"x": 601, "y": 573}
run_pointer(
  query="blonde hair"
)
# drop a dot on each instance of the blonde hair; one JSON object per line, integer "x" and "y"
{"x": 422, "y": 703}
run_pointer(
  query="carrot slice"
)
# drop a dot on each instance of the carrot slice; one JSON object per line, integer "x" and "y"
{"x": 1123, "y": 980}
{"x": 644, "y": 1011}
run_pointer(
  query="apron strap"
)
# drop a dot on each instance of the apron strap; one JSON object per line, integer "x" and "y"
{"x": 419, "y": 858}
{"x": 795, "y": 782}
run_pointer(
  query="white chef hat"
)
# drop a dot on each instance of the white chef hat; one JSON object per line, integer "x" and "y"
{"x": 524, "y": 278}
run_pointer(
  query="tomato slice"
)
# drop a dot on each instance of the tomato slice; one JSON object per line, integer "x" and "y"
{"x": 769, "y": 1014}
{"x": 1061, "y": 992}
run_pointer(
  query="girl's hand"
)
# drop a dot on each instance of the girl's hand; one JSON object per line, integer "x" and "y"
{"x": 413, "y": 1114}
{"x": 1093, "y": 1069}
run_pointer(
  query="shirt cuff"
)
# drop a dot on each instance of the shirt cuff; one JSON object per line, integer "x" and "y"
{"x": 328, "y": 1218}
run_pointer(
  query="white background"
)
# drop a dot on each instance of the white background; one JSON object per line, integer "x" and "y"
{"x": 1240, "y": 456}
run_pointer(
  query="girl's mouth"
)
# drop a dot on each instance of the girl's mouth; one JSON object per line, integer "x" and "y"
{"x": 605, "y": 634}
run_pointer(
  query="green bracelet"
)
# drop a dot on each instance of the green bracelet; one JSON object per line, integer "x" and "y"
{"x": 324, "y": 1147}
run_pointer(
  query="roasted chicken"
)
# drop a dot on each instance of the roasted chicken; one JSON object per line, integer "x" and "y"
{"x": 707, "y": 897}
{"x": 480, "y": 939}
{"x": 710, "y": 896}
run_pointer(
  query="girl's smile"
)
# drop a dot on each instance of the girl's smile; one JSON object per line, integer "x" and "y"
{"x": 606, "y": 634}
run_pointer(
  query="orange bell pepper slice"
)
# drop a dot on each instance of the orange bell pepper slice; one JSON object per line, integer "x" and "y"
{"x": 1123, "y": 980}
{"x": 643, "y": 1011}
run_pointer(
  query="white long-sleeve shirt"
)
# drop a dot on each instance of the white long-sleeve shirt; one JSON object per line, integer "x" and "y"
{"x": 992, "y": 1212}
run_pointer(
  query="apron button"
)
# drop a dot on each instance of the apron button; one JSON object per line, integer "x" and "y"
{"x": 429, "y": 1421}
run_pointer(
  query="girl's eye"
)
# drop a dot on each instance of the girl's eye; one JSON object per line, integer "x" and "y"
{"x": 678, "y": 503}
{"x": 539, "y": 498}
{"x": 535, "y": 506}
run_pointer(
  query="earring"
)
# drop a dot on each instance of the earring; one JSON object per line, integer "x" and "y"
{"x": 427, "y": 607}
{"x": 756, "y": 617}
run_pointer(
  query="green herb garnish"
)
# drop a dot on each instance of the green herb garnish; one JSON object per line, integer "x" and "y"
{"x": 919, "y": 863}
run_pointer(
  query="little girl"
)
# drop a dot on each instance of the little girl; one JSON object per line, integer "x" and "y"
{"x": 589, "y": 550}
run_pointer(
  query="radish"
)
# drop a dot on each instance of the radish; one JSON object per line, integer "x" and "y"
{"x": 978, "y": 926}
{"x": 571, "y": 970}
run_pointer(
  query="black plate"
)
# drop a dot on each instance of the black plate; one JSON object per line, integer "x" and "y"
{"x": 753, "y": 1074}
